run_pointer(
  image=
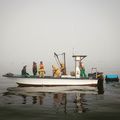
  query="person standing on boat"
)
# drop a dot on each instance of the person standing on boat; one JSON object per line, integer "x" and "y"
{"x": 56, "y": 71}
{"x": 41, "y": 70}
{"x": 62, "y": 69}
{"x": 34, "y": 68}
{"x": 82, "y": 70}
{"x": 23, "y": 72}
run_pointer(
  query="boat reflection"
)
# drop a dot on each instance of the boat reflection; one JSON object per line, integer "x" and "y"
{"x": 35, "y": 99}
{"x": 24, "y": 99}
{"x": 59, "y": 99}
{"x": 74, "y": 100}
{"x": 38, "y": 99}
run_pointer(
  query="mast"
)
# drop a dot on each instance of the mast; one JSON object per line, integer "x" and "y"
{"x": 64, "y": 63}
{"x": 59, "y": 62}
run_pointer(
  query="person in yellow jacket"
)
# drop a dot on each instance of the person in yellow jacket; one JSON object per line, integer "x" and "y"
{"x": 41, "y": 70}
{"x": 56, "y": 71}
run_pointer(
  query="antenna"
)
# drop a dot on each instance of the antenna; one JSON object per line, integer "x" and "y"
{"x": 73, "y": 51}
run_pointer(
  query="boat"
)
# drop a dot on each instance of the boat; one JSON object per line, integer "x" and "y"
{"x": 111, "y": 78}
{"x": 56, "y": 82}
{"x": 64, "y": 80}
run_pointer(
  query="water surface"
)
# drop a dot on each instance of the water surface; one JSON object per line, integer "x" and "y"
{"x": 17, "y": 103}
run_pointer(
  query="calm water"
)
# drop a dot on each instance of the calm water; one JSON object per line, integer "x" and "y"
{"x": 18, "y": 104}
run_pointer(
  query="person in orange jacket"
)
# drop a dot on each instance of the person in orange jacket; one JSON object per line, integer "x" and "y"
{"x": 41, "y": 70}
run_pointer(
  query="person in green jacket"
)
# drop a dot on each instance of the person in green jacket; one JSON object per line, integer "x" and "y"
{"x": 82, "y": 70}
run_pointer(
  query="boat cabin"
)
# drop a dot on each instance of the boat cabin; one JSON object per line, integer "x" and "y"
{"x": 78, "y": 61}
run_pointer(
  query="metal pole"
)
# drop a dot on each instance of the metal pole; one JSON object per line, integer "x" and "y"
{"x": 64, "y": 63}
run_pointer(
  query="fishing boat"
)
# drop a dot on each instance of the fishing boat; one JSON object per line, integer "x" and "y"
{"x": 63, "y": 80}
{"x": 47, "y": 81}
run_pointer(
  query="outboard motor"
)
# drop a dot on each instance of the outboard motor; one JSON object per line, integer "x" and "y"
{"x": 100, "y": 83}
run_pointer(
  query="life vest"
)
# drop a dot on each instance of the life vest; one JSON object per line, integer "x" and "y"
{"x": 41, "y": 66}
{"x": 41, "y": 69}
{"x": 56, "y": 71}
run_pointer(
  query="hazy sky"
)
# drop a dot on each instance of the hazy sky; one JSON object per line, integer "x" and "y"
{"x": 32, "y": 30}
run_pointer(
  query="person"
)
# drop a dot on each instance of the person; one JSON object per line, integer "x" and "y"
{"x": 41, "y": 70}
{"x": 82, "y": 70}
{"x": 56, "y": 71}
{"x": 34, "y": 68}
{"x": 23, "y": 72}
{"x": 62, "y": 69}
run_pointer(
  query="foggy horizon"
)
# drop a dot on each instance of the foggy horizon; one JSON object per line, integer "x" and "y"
{"x": 32, "y": 30}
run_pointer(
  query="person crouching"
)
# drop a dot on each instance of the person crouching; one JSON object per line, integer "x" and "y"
{"x": 56, "y": 71}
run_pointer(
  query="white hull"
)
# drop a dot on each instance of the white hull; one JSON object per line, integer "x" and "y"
{"x": 56, "y": 82}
